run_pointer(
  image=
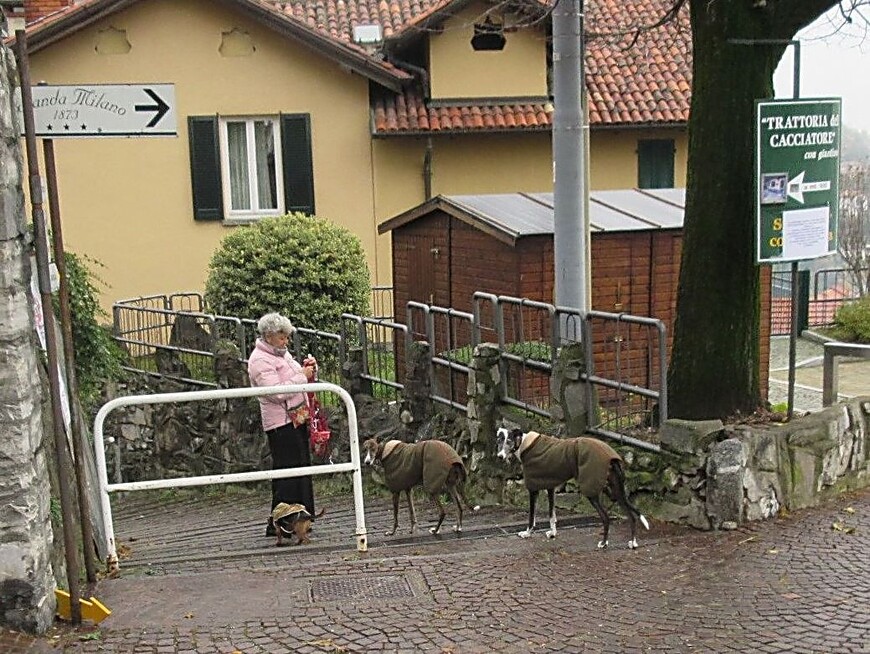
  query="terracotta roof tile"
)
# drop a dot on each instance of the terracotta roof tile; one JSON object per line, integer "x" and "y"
{"x": 391, "y": 115}
{"x": 646, "y": 81}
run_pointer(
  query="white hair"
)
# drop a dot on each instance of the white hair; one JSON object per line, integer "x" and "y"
{"x": 273, "y": 323}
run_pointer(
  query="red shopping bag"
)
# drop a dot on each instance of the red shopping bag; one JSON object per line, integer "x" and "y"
{"x": 318, "y": 428}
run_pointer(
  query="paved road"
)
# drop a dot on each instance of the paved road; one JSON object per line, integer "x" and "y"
{"x": 853, "y": 375}
{"x": 793, "y": 584}
{"x": 198, "y": 576}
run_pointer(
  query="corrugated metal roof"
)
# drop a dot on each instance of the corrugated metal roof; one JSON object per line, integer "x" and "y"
{"x": 528, "y": 214}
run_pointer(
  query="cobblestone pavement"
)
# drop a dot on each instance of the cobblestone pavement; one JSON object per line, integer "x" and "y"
{"x": 798, "y": 583}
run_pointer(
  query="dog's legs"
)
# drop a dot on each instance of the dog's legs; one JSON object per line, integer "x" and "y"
{"x": 412, "y": 511}
{"x": 461, "y": 489}
{"x": 551, "y": 500}
{"x": 441, "y": 513}
{"x": 454, "y": 492}
{"x": 395, "y": 515}
{"x": 533, "y": 498}
{"x": 617, "y": 492}
{"x": 605, "y": 519}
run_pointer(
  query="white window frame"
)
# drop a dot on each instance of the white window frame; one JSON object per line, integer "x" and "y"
{"x": 247, "y": 215}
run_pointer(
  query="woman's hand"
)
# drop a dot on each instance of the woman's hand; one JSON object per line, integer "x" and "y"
{"x": 308, "y": 369}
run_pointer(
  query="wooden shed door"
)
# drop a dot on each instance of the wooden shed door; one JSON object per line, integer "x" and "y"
{"x": 427, "y": 282}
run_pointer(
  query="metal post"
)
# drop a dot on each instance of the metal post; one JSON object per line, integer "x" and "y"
{"x": 35, "y": 186}
{"x": 69, "y": 358}
{"x": 795, "y": 281}
{"x": 792, "y": 341}
{"x": 569, "y": 183}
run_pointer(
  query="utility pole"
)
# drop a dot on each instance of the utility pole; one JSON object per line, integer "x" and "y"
{"x": 569, "y": 183}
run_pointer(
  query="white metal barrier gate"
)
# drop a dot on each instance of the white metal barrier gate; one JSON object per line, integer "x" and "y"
{"x": 193, "y": 396}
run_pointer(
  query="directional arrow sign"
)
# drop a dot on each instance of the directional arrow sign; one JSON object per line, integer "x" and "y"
{"x": 104, "y": 110}
{"x": 797, "y": 187}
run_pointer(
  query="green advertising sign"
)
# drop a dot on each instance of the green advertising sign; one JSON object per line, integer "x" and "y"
{"x": 797, "y": 173}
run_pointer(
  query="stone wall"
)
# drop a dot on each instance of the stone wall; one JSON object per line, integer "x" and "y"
{"x": 708, "y": 475}
{"x": 715, "y": 476}
{"x": 27, "y": 586}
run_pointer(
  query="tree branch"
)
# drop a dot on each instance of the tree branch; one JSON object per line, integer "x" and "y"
{"x": 788, "y": 17}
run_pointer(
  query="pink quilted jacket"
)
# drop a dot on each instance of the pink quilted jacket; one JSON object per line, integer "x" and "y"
{"x": 265, "y": 368}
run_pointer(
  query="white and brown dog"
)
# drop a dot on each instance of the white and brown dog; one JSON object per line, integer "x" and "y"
{"x": 291, "y": 520}
{"x": 548, "y": 462}
{"x": 432, "y": 463}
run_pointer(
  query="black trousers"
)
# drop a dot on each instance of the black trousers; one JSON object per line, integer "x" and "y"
{"x": 290, "y": 449}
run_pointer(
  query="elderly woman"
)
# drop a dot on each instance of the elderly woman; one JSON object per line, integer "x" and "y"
{"x": 285, "y": 416}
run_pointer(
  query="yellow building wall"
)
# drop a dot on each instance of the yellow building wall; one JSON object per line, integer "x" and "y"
{"x": 458, "y": 71}
{"x": 613, "y": 156}
{"x": 500, "y": 163}
{"x": 504, "y": 163}
{"x": 128, "y": 203}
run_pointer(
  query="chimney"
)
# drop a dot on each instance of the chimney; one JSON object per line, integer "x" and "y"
{"x": 36, "y": 9}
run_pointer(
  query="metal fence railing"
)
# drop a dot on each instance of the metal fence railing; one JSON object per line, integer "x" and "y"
{"x": 627, "y": 364}
{"x": 528, "y": 336}
{"x": 818, "y": 300}
{"x": 626, "y": 355}
{"x": 382, "y": 343}
{"x": 450, "y": 336}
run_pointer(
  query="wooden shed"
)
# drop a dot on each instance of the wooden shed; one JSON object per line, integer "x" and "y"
{"x": 449, "y": 247}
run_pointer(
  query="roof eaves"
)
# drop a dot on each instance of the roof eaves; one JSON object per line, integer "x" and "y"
{"x": 454, "y": 209}
{"x": 56, "y": 27}
{"x": 431, "y": 19}
{"x": 459, "y": 131}
{"x": 353, "y": 57}
{"x": 480, "y": 220}
{"x": 424, "y": 22}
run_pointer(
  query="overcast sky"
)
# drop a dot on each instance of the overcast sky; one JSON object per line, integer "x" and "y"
{"x": 834, "y": 63}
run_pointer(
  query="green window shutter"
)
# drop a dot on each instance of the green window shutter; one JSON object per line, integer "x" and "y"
{"x": 205, "y": 168}
{"x": 655, "y": 163}
{"x": 298, "y": 168}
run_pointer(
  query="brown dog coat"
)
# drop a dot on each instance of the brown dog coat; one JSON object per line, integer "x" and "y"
{"x": 549, "y": 461}
{"x": 428, "y": 463}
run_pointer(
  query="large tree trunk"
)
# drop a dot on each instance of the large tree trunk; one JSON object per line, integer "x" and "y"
{"x": 715, "y": 358}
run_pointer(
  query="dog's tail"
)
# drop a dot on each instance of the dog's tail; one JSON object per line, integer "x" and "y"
{"x": 619, "y": 475}
{"x": 319, "y": 513}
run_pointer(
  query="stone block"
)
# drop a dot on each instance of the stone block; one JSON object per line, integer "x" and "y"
{"x": 130, "y": 432}
{"x": 726, "y": 467}
{"x": 689, "y": 436}
{"x": 762, "y": 493}
{"x": 693, "y": 513}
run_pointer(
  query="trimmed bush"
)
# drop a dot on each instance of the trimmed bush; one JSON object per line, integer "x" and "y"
{"x": 852, "y": 321}
{"x": 307, "y": 268}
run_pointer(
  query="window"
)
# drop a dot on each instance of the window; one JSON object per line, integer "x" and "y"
{"x": 655, "y": 163}
{"x": 249, "y": 167}
{"x": 249, "y": 161}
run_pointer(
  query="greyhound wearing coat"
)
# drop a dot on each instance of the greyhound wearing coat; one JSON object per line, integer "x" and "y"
{"x": 549, "y": 462}
{"x": 432, "y": 463}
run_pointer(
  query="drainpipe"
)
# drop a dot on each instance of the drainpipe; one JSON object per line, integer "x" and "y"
{"x": 427, "y": 170}
{"x": 421, "y": 72}
{"x": 423, "y": 77}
